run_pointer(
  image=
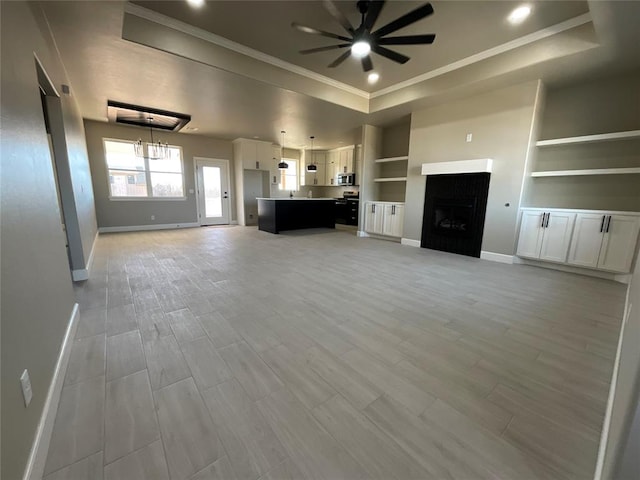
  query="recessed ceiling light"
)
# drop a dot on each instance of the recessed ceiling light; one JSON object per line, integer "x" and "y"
{"x": 191, "y": 129}
{"x": 360, "y": 49}
{"x": 519, "y": 14}
{"x": 196, "y": 3}
{"x": 256, "y": 136}
{"x": 373, "y": 78}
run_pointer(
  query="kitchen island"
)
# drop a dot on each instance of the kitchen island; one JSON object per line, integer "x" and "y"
{"x": 278, "y": 214}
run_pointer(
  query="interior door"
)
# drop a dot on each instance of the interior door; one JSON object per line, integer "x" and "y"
{"x": 213, "y": 191}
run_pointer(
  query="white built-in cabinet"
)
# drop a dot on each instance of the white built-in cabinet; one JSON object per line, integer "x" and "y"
{"x": 603, "y": 241}
{"x": 255, "y": 155}
{"x": 329, "y": 164}
{"x": 384, "y": 218}
{"x": 592, "y": 239}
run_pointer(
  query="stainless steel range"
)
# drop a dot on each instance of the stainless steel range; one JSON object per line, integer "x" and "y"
{"x": 347, "y": 208}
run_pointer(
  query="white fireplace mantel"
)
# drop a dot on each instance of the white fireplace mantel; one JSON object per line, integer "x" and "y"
{"x": 461, "y": 166}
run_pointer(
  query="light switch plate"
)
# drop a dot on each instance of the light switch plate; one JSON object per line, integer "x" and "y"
{"x": 25, "y": 381}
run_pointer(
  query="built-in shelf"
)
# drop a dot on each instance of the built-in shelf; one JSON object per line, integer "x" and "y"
{"x": 391, "y": 179}
{"x": 601, "y": 137}
{"x": 391, "y": 159}
{"x": 593, "y": 171}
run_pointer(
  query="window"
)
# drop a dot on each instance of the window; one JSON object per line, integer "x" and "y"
{"x": 132, "y": 176}
{"x": 289, "y": 177}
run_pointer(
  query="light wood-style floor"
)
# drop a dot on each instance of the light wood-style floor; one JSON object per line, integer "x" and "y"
{"x": 229, "y": 353}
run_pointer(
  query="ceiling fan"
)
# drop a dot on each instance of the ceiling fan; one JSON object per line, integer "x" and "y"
{"x": 362, "y": 40}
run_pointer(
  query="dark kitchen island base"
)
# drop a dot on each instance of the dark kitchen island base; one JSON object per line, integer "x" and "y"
{"x": 278, "y": 214}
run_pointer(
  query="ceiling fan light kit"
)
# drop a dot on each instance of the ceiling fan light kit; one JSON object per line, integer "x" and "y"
{"x": 362, "y": 40}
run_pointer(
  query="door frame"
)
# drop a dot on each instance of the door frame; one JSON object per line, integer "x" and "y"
{"x": 199, "y": 207}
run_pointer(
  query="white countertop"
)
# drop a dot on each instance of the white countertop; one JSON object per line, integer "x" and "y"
{"x": 296, "y": 198}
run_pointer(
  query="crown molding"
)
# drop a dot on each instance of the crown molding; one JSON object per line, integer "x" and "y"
{"x": 492, "y": 52}
{"x": 238, "y": 48}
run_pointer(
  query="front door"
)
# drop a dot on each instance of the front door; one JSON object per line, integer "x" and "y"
{"x": 213, "y": 191}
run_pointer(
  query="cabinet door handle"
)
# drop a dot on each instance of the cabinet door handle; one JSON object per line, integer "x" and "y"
{"x": 393, "y": 209}
{"x": 546, "y": 225}
{"x": 373, "y": 208}
{"x": 602, "y": 223}
{"x": 544, "y": 216}
{"x": 608, "y": 225}
{"x": 257, "y": 165}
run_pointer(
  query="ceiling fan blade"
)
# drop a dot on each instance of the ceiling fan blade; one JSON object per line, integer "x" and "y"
{"x": 322, "y": 33}
{"x": 390, "y": 54}
{"x": 340, "y": 59}
{"x": 338, "y": 15}
{"x": 408, "y": 40}
{"x": 372, "y": 14}
{"x": 367, "y": 64}
{"x": 324, "y": 49}
{"x": 411, "y": 17}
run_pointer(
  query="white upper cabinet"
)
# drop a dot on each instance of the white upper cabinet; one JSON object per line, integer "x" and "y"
{"x": 346, "y": 161}
{"x": 255, "y": 155}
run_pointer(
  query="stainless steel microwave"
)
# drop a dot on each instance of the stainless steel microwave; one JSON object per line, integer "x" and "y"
{"x": 346, "y": 179}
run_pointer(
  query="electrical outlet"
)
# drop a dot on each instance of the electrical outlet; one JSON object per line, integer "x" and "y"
{"x": 153, "y": 217}
{"x": 25, "y": 382}
{"x": 469, "y": 137}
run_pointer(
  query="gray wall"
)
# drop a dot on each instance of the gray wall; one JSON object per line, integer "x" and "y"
{"x": 120, "y": 213}
{"x": 500, "y": 122}
{"x": 599, "y": 106}
{"x": 37, "y": 296}
{"x": 627, "y": 386}
{"x": 395, "y": 139}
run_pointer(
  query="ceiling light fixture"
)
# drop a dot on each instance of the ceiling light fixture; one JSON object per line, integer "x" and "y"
{"x": 360, "y": 49}
{"x": 373, "y": 78}
{"x": 312, "y": 167}
{"x": 282, "y": 165}
{"x": 196, "y": 3}
{"x": 155, "y": 150}
{"x": 519, "y": 14}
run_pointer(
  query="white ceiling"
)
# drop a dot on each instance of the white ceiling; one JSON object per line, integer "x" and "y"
{"x": 230, "y": 95}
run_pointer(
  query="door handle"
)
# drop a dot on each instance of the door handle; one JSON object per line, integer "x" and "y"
{"x": 608, "y": 225}
{"x": 544, "y": 216}
{"x": 602, "y": 223}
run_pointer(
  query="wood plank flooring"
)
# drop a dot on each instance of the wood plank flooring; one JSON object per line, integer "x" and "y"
{"x": 229, "y": 353}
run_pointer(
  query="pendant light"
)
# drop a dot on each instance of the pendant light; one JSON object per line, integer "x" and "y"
{"x": 156, "y": 150}
{"x": 282, "y": 165}
{"x": 312, "y": 167}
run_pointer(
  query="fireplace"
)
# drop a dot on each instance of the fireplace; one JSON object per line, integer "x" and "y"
{"x": 454, "y": 212}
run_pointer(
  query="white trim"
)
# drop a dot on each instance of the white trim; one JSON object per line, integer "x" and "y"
{"x": 580, "y": 210}
{"x": 600, "y": 137}
{"x": 496, "y": 257}
{"x": 140, "y": 228}
{"x": 80, "y": 274}
{"x": 40, "y": 447}
{"x": 233, "y": 222}
{"x": 391, "y": 159}
{"x": 93, "y": 250}
{"x": 460, "y": 166}
{"x": 616, "y": 277}
{"x": 238, "y": 48}
{"x": 410, "y": 242}
{"x": 390, "y": 179}
{"x": 492, "y": 52}
{"x": 606, "y": 425}
{"x": 589, "y": 171}
{"x": 362, "y": 234}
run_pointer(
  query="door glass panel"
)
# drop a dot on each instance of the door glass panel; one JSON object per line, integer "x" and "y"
{"x": 212, "y": 191}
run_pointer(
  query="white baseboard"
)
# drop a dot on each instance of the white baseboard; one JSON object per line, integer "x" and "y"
{"x": 410, "y": 242}
{"x": 362, "y": 234}
{"x": 496, "y": 257}
{"x": 93, "y": 250}
{"x": 80, "y": 275}
{"x": 616, "y": 277}
{"x": 234, "y": 222}
{"x": 140, "y": 228}
{"x": 40, "y": 447}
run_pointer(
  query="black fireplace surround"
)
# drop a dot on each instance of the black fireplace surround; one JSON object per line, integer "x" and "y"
{"x": 454, "y": 212}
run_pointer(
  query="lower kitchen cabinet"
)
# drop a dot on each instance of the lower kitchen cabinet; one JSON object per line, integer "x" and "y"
{"x": 603, "y": 241}
{"x": 591, "y": 239}
{"x": 384, "y": 218}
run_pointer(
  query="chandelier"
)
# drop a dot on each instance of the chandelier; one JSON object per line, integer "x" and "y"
{"x": 155, "y": 150}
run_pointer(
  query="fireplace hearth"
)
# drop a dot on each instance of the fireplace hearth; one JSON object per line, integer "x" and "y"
{"x": 454, "y": 212}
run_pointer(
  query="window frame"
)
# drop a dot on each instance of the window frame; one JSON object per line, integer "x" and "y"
{"x": 147, "y": 172}
{"x": 283, "y": 175}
